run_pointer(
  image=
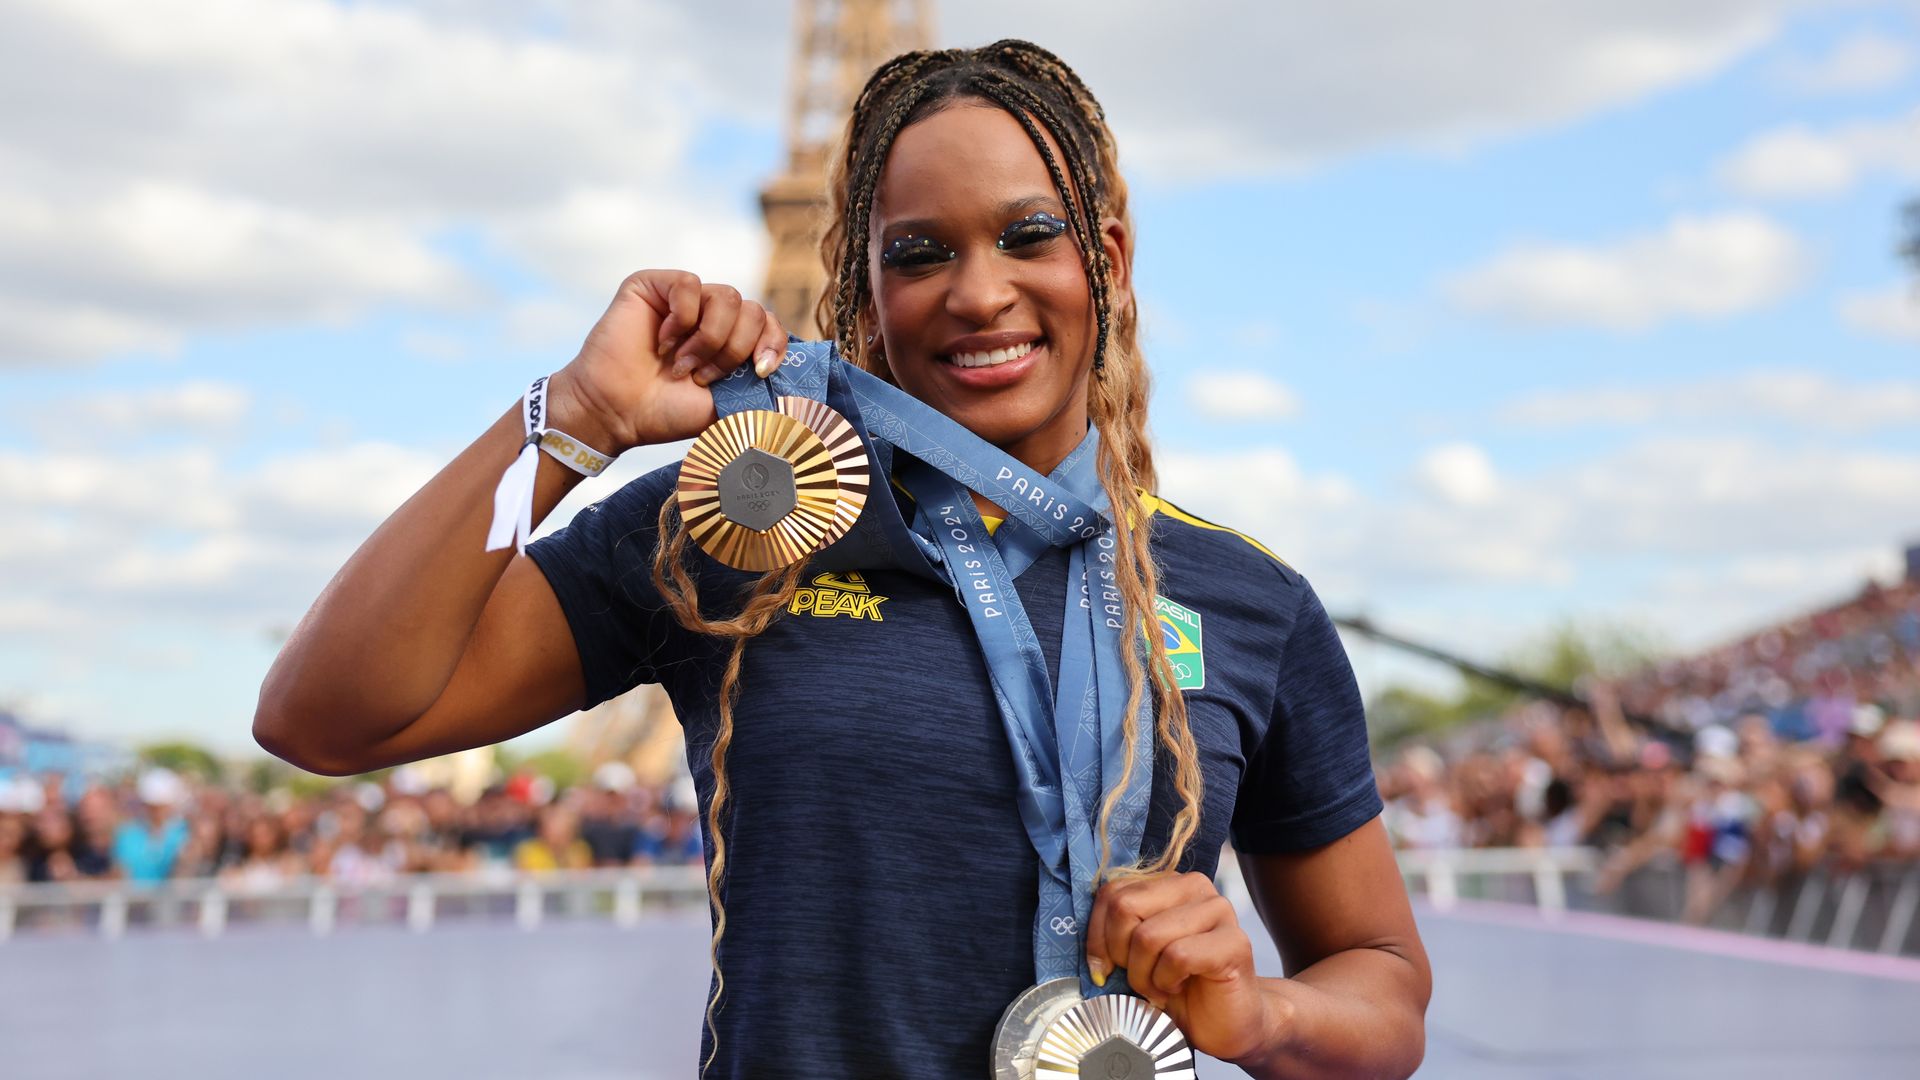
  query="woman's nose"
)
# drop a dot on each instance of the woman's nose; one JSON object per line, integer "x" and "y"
{"x": 979, "y": 288}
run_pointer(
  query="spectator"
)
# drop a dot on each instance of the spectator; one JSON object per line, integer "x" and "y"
{"x": 556, "y": 846}
{"x": 13, "y": 848}
{"x": 611, "y": 824}
{"x": 268, "y": 863}
{"x": 361, "y": 854}
{"x": 147, "y": 848}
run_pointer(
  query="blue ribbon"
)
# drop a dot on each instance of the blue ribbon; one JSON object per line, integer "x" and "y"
{"x": 1068, "y": 741}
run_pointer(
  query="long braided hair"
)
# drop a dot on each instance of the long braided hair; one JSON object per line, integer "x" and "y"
{"x": 1048, "y": 99}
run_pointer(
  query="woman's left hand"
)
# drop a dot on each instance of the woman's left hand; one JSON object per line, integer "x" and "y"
{"x": 1183, "y": 950}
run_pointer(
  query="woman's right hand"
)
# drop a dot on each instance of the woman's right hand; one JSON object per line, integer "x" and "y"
{"x": 642, "y": 376}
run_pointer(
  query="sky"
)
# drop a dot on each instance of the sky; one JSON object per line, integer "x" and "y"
{"x": 1485, "y": 316}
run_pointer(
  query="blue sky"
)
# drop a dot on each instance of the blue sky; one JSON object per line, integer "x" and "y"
{"x": 1484, "y": 318}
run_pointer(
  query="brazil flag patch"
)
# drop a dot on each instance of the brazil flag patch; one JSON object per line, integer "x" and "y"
{"x": 1180, "y": 628}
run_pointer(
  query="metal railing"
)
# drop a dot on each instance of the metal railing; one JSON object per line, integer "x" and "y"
{"x": 1872, "y": 909}
{"x": 417, "y": 901}
{"x": 1442, "y": 874}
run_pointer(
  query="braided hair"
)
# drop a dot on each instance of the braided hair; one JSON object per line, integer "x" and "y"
{"x": 1041, "y": 92}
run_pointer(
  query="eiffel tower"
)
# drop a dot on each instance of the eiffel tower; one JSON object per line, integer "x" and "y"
{"x": 836, "y": 45}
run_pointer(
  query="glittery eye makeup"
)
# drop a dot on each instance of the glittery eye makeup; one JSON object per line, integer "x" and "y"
{"x": 908, "y": 251}
{"x": 1035, "y": 227}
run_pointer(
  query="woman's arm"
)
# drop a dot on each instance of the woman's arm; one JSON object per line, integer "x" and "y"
{"x": 1356, "y": 999}
{"x": 425, "y": 643}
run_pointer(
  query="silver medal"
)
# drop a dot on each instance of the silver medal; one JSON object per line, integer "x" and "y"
{"x": 1052, "y": 1033}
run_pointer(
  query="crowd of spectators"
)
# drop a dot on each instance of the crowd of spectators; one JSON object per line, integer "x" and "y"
{"x": 155, "y": 825}
{"x": 1795, "y": 747}
{"x": 1792, "y": 748}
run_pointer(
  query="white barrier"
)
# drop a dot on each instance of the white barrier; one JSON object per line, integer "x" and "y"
{"x": 416, "y": 901}
{"x": 1875, "y": 908}
{"x": 1438, "y": 872}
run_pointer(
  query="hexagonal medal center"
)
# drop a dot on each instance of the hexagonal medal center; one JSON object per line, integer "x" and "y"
{"x": 1117, "y": 1059}
{"x": 756, "y": 490}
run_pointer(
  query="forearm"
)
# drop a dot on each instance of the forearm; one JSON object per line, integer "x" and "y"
{"x": 381, "y": 642}
{"x": 1358, "y": 1013}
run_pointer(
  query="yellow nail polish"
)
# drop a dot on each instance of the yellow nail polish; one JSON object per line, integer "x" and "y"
{"x": 1098, "y": 969}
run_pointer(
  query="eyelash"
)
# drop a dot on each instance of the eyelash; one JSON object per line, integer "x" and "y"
{"x": 896, "y": 253}
{"x": 1035, "y": 227}
{"x": 902, "y": 252}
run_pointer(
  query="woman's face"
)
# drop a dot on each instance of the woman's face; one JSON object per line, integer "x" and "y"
{"x": 980, "y": 296}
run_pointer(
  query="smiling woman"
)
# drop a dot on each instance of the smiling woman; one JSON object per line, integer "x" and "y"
{"x": 957, "y": 806}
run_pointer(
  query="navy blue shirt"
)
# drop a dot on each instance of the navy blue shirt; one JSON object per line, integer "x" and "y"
{"x": 880, "y": 888}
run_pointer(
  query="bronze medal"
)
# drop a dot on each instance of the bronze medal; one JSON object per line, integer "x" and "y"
{"x": 760, "y": 490}
{"x": 849, "y": 454}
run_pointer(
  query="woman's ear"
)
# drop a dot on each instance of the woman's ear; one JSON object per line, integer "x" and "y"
{"x": 1118, "y": 243}
{"x": 871, "y": 344}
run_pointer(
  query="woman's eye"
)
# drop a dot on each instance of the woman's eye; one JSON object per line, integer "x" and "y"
{"x": 1031, "y": 229}
{"x": 908, "y": 251}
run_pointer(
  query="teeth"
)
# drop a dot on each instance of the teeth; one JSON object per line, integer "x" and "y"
{"x": 994, "y": 357}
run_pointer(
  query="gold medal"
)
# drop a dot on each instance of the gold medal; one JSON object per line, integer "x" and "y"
{"x": 849, "y": 455}
{"x": 760, "y": 490}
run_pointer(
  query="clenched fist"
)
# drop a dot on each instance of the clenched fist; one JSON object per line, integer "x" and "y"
{"x": 643, "y": 373}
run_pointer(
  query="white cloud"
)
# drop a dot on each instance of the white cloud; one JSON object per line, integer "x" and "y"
{"x": 593, "y": 238}
{"x": 170, "y": 255}
{"x": 1804, "y": 162}
{"x": 1246, "y": 88}
{"x": 200, "y": 406}
{"x": 1892, "y": 312}
{"x": 1459, "y": 473}
{"x": 1698, "y": 267}
{"x": 1864, "y": 61}
{"x": 1706, "y": 510}
{"x": 200, "y": 537}
{"x": 1804, "y": 399}
{"x": 194, "y": 535}
{"x": 1241, "y": 395}
{"x": 234, "y": 163}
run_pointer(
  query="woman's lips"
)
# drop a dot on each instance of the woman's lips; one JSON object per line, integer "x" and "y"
{"x": 994, "y": 376}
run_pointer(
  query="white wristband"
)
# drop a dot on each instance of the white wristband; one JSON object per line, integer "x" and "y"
{"x": 513, "y": 498}
{"x": 573, "y": 453}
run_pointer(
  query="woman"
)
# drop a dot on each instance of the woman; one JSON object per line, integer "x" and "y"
{"x": 874, "y": 885}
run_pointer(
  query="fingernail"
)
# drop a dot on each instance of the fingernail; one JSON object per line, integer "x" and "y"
{"x": 764, "y": 363}
{"x": 1099, "y": 969}
{"x": 708, "y": 375}
{"x": 682, "y": 365}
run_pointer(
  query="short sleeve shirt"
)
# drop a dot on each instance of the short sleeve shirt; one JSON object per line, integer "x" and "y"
{"x": 880, "y": 888}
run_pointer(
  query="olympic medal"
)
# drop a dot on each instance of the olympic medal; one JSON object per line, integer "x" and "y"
{"x": 1052, "y": 1033}
{"x": 1016, "y": 1041}
{"x": 849, "y": 455}
{"x": 1114, "y": 1035}
{"x": 759, "y": 490}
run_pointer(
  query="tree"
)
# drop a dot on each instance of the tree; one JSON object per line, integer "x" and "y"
{"x": 185, "y": 758}
{"x": 1565, "y": 657}
{"x": 558, "y": 764}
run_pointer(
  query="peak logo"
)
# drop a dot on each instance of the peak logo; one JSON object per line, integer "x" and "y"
{"x": 1180, "y": 630}
{"x": 832, "y": 595}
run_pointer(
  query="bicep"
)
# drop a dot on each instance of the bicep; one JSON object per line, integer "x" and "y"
{"x": 1344, "y": 895}
{"x": 520, "y": 671}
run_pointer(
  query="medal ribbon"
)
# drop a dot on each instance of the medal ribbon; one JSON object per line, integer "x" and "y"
{"x": 1068, "y": 742}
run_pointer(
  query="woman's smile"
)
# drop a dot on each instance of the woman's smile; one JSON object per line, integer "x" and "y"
{"x": 982, "y": 362}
